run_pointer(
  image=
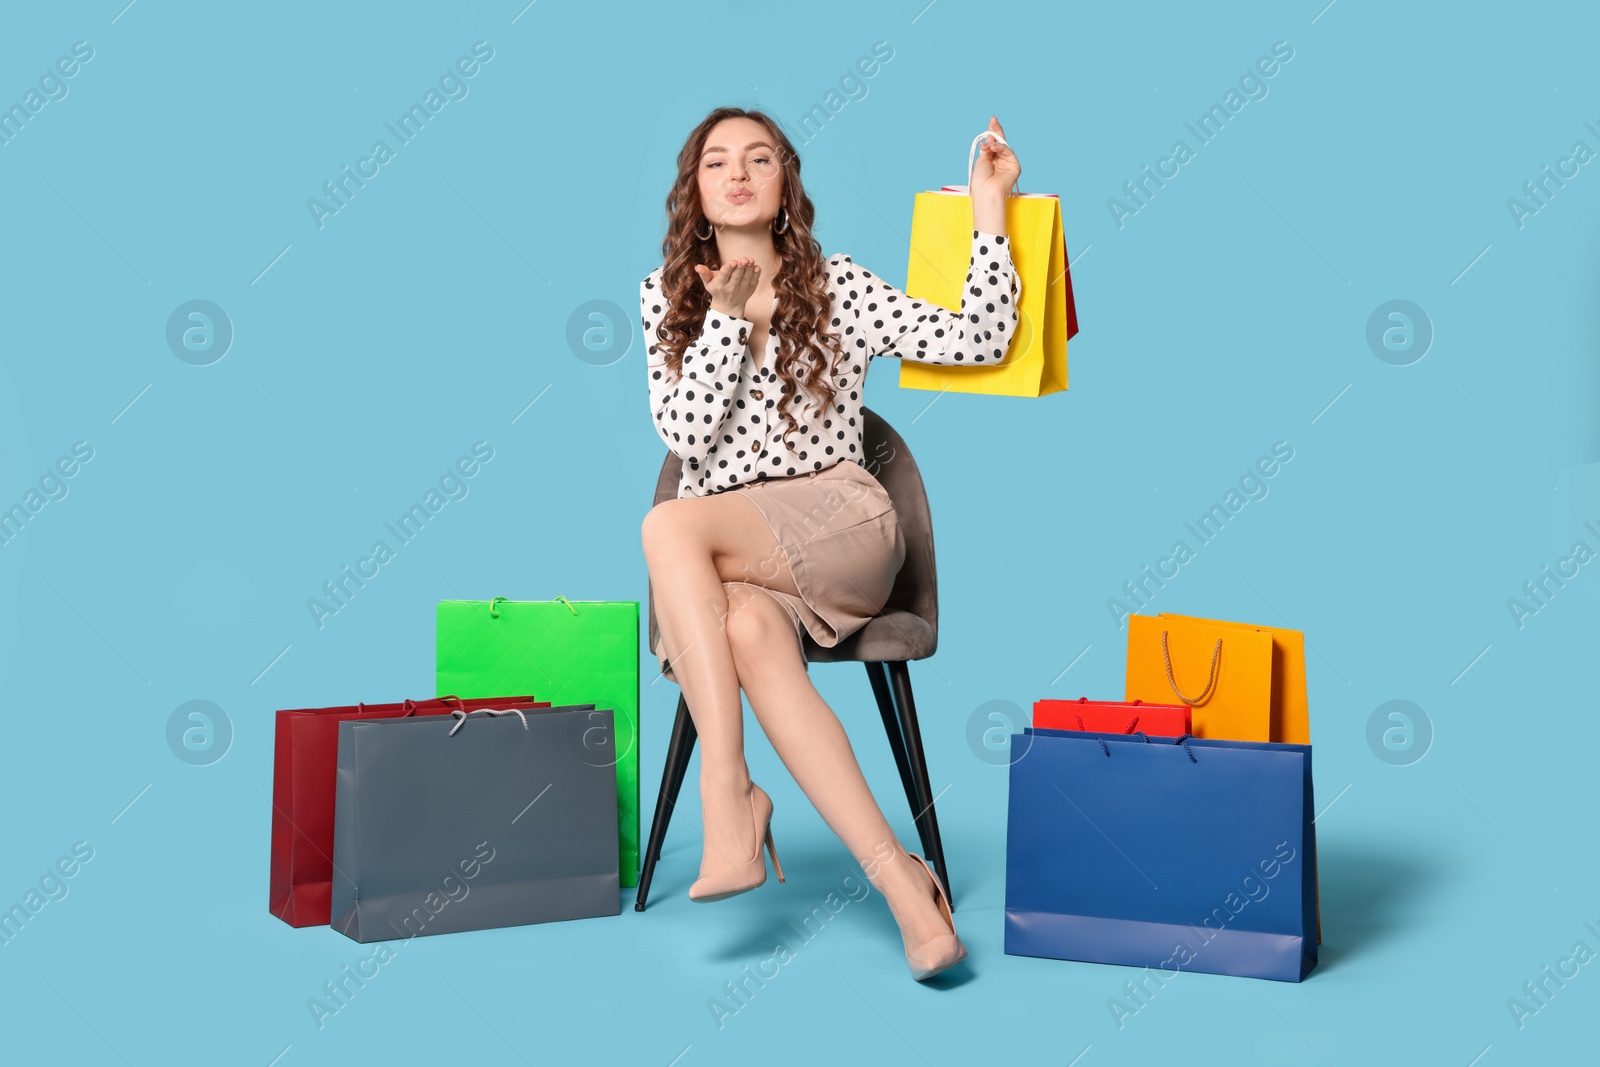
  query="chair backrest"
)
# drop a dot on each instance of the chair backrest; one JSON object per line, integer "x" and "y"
{"x": 916, "y": 587}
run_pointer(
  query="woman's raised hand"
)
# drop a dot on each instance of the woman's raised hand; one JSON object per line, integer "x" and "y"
{"x": 996, "y": 169}
{"x": 732, "y": 285}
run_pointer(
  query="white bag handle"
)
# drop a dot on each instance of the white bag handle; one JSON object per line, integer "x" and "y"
{"x": 972, "y": 160}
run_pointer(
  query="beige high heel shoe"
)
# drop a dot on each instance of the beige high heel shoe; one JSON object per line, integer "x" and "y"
{"x": 945, "y": 950}
{"x": 747, "y": 874}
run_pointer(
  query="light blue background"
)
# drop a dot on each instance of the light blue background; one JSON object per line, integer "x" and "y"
{"x": 1227, "y": 314}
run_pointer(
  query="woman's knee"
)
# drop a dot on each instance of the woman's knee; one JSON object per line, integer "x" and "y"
{"x": 759, "y": 631}
{"x": 665, "y": 526}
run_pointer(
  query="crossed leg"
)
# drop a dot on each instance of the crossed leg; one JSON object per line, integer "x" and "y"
{"x": 721, "y": 638}
{"x": 691, "y": 546}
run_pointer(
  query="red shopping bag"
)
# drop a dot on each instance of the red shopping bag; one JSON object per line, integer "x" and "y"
{"x": 305, "y": 768}
{"x": 1112, "y": 716}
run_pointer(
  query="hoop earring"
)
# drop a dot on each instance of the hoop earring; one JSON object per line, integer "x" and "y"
{"x": 783, "y": 211}
{"x": 707, "y": 235}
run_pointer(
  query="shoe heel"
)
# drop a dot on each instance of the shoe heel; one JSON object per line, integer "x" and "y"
{"x": 944, "y": 951}
{"x": 774, "y": 854}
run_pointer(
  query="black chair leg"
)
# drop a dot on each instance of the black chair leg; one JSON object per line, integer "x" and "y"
{"x": 679, "y": 748}
{"x": 927, "y": 821}
{"x": 897, "y": 742}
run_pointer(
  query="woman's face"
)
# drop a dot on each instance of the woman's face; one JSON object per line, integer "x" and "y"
{"x": 741, "y": 183}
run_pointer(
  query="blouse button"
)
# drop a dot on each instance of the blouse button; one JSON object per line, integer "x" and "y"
{"x": 756, "y": 394}
{"x": 742, "y": 336}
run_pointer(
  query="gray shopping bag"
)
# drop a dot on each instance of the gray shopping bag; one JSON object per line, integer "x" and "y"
{"x": 477, "y": 821}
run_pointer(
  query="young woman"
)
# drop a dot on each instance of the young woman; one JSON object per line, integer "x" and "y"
{"x": 758, "y": 350}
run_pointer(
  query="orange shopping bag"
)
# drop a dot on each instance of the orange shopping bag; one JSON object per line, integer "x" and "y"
{"x": 1290, "y": 721}
{"x": 1223, "y": 673}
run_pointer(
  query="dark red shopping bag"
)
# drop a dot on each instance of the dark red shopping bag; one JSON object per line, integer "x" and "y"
{"x": 1112, "y": 716}
{"x": 305, "y": 769}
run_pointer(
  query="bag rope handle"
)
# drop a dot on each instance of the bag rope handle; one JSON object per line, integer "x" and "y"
{"x": 461, "y": 716}
{"x": 1184, "y": 741}
{"x": 408, "y": 707}
{"x": 972, "y": 160}
{"x": 1131, "y": 726}
{"x": 1166, "y": 659}
{"x": 493, "y": 614}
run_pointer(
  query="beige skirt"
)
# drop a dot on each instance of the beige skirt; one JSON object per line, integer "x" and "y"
{"x": 838, "y": 531}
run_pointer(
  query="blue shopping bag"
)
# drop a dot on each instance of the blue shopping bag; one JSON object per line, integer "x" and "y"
{"x": 1194, "y": 854}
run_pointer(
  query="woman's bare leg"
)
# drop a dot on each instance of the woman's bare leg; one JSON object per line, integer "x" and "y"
{"x": 691, "y": 546}
{"x": 814, "y": 747}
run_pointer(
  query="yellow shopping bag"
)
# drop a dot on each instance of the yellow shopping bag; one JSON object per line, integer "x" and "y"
{"x": 941, "y": 253}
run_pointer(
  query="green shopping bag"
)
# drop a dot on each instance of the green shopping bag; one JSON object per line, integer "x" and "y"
{"x": 568, "y": 652}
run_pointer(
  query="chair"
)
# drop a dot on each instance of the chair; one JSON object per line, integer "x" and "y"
{"x": 906, "y": 629}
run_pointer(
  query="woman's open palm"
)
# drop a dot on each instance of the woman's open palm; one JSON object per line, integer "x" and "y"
{"x": 732, "y": 285}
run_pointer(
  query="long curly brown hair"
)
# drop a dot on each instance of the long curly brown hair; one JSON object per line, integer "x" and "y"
{"x": 802, "y": 310}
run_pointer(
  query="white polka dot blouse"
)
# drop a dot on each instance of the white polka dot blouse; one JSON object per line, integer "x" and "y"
{"x": 721, "y": 415}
